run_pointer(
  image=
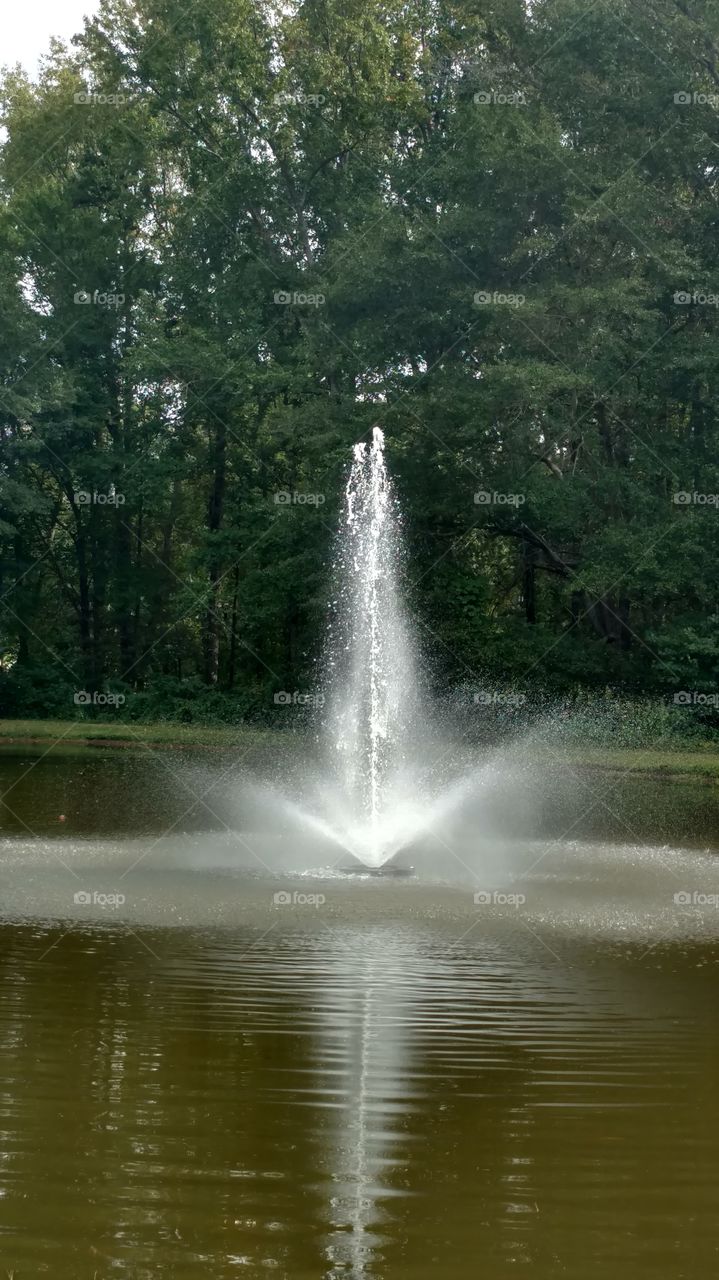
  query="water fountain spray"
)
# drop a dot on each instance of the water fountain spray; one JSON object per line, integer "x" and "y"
{"x": 384, "y": 778}
{"x": 372, "y": 684}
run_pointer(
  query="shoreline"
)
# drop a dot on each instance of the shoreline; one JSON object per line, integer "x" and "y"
{"x": 45, "y": 737}
{"x": 82, "y": 735}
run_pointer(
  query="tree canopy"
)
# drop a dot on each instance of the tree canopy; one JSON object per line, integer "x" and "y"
{"x": 236, "y": 235}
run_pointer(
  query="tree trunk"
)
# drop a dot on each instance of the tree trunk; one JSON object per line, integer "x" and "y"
{"x": 529, "y": 594}
{"x": 85, "y": 610}
{"x": 232, "y": 661}
{"x": 214, "y": 523}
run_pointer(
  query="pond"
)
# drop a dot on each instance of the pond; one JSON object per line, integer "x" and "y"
{"x": 222, "y": 1057}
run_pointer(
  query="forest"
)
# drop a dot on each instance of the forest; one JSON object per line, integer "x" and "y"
{"x": 236, "y": 236}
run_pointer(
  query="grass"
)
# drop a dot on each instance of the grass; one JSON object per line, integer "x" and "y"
{"x": 88, "y": 733}
{"x": 699, "y": 762}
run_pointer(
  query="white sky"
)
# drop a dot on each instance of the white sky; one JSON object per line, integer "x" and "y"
{"x": 26, "y": 27}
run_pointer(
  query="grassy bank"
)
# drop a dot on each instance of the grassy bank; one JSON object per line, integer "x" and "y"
{"x": 701, "y": 762}
{"x": 55, "y": 734}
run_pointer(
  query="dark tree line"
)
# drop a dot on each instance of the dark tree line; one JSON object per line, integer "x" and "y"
{"x": 235, "y": 235}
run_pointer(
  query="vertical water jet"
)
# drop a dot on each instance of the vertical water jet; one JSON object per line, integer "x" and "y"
{"x": 371, "y": 668}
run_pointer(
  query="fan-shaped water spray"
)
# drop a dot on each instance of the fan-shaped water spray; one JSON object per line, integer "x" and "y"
{"x": 384, "y": 775}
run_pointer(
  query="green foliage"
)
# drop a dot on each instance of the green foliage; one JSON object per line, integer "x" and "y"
{"x": 407, "y": 169}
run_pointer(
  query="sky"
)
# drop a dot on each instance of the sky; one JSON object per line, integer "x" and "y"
{"x": 26, "y": 27}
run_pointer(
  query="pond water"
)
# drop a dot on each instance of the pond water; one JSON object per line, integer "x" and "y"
{"x": 222, "y": 1057}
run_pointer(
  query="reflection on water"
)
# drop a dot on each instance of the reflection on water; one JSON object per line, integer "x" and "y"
{"x": 353, "y": 1100}
{"x": 363, "y": 1071}
{"x": 215, "y": 1078}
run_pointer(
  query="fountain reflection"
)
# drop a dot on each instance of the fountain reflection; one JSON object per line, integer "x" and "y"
{"x": 364, "y": 1048}
{"x": 350, "y": 1100}
{"x": 394, "y": 1018}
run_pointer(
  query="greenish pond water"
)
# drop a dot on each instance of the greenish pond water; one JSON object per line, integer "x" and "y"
{"x": 220, "y": 1057}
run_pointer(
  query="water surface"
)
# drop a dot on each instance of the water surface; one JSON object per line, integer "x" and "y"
{"x": 376, "y": 1079}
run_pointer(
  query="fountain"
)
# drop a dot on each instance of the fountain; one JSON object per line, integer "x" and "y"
{"x": 384, "y": 778}
{"x": 370, "y": 670}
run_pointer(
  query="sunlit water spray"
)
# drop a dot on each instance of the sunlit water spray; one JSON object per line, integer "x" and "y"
{"x": 371, "y": 672}
{"x": 385, "y": 779}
